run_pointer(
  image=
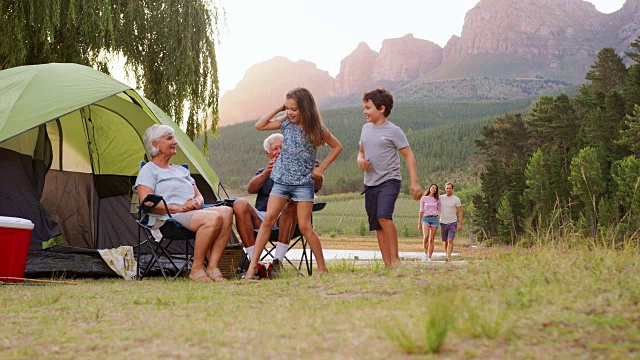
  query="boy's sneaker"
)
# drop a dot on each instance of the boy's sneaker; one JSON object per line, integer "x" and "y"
{"x": 274, "y": 268}
{"x": 261, "y": 271}
{"x": 428, "y": 259}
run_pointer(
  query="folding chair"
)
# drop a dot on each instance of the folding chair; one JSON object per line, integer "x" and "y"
{"x": 171, "y": 231}
{"x": 296, "y": 238}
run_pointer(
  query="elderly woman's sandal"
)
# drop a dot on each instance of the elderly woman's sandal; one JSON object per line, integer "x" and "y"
{"x": 216, "y": 275}
{"x": 199, "y": 276}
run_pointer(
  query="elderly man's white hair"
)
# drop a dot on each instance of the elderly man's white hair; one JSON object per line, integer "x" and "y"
{"x": 269, "y": 140}
{"x": 155, "y": 133}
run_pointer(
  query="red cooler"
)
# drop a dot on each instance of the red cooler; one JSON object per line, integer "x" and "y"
{"x": 15, "y": 236}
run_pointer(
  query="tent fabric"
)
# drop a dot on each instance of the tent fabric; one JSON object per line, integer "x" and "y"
{"x": 20, "y": 194}
{"x": 33, "y": 94}
{"x": 70, "y": 147}
{"x": 38, "y": 94}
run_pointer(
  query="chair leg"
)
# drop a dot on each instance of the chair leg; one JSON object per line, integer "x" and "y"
{"x": 269, "y": 251}
{"x": 154, "y": 258}
{"x": 308, "y": 259}
{"x": 302, "y": 257}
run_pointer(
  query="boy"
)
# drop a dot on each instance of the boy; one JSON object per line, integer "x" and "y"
{"x": 380, "y": 142}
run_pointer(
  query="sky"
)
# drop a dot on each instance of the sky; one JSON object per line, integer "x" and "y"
{"x": 325, "y": 31}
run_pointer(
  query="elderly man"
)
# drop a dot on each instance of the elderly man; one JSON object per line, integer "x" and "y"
{"x": 249, "y": 217}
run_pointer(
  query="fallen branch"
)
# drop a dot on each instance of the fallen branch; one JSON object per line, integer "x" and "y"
{"x": 3, "y": 278}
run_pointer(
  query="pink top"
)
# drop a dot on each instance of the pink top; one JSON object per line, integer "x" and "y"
{"x": 429, "y": 206}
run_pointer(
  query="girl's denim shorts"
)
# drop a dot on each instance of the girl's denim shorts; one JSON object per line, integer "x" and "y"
{"x": 293, "y": 192}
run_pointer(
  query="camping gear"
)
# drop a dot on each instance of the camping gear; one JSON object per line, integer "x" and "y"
{"x": 70, "y": 149}
{"x": 15, "y": 234}
{"x": 171, "y": 231}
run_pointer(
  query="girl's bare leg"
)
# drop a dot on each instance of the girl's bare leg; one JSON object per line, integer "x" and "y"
{"x": 306, "y": 228}
{"x": 274, "y": 207}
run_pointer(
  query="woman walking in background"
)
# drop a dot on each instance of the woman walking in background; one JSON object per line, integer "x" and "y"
{"x": 428, "y": 220}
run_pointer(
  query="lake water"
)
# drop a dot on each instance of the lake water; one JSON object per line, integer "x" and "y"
{"x": 361, "y": 254}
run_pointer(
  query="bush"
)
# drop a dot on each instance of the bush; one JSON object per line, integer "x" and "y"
{"x": 362, "y": 230}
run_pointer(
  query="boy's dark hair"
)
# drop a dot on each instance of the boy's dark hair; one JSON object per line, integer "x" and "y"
{"x": 380, "y": 97}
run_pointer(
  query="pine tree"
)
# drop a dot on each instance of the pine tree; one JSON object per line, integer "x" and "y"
{"x": 608, "y": 72}
{"x": 504, "y": 146}
{"x": 634, "y": 55}
{"x": 588, "y": 182}
{"x": 631, "y": 90}
{"x": 554, "y": 126}
{"x": 630, "y": 135}
{"x": 626, "y": 175}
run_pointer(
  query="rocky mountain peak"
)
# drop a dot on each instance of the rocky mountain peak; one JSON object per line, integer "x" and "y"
{"x": 356, "y": 70}
{"x": 406, "y": 58}
{"x": 529, "y": 27}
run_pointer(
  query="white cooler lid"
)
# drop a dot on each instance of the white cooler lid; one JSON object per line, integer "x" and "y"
{"x": 15, "y": 223}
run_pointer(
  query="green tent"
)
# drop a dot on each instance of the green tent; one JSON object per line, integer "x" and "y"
{"x": 70, "y": 148}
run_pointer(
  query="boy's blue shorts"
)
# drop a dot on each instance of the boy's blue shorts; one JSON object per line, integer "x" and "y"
{"x": 380, "y": 201}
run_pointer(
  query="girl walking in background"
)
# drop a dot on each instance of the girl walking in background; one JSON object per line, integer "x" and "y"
{"x": 295, "y": 169}
{"x": 428, "y": 219}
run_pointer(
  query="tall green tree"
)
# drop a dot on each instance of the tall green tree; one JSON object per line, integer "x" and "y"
{"x": 588, "y": 182}
{"x": 554, "y": 126}
{"x": 626, "y": 175}
{"x": 630, "y": 135}
{"x": 635, "y": 54}
{"x": 608, "y": 72}
{"x": 504, "y": 147}
{"x": 631, "y": 90}
{"x": 168, "y": 46}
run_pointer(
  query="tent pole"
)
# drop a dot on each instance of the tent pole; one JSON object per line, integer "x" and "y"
{"x": 85, "y": 113}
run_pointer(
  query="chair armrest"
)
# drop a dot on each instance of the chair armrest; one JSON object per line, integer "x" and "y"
{"x": 154, "y": 199}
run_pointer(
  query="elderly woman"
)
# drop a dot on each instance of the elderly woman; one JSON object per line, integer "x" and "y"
{"x": 212, "y": 226}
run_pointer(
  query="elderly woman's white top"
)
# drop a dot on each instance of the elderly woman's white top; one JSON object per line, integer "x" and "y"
{"x": 175, "y": 184}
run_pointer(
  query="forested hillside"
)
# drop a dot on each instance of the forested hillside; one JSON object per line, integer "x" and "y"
{"x": 441, "y": 135}
{"x": 571, "y": 165}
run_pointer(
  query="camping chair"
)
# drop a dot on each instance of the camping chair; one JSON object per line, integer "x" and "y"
{"x": 296, "y": 238}
{"x": 171, "y": 231}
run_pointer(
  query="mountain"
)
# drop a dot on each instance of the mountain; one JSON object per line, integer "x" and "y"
{"x": 627, "y": 23}
{"x": 265, "y": 85}
{"x": 400, "y": 61}
{"x": 508, "y": 49}
{"x": 356, "y": 70}
{"x": 527, "y": 38}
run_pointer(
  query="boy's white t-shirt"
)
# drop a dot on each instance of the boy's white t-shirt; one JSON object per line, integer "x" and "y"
{"x": 449, "y": 209}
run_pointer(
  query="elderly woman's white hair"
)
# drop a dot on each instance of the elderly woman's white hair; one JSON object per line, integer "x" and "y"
{"x": 269, "y": 140}
{"x": 155, "y": 133}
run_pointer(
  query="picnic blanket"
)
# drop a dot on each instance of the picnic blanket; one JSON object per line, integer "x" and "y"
{"x": 121, "y": 260}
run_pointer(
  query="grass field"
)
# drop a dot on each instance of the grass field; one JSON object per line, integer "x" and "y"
{"x": 546, "y": 302}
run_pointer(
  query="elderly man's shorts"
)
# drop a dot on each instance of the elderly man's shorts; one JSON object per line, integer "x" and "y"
{"x": 183, "y": 218}
{"x": 293, "y": 192}
{"x": 380, "y": 201}
{"x": 448, "y": 231}
{"x": 261, "y": 215}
